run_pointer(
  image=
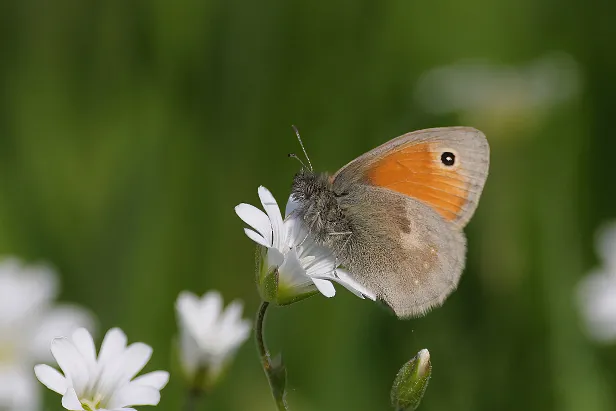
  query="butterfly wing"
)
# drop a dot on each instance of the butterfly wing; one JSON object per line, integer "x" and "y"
{"x": 406, "y": 202}
{"x": 400, "y": 249}
{"x": 445, "y": 168}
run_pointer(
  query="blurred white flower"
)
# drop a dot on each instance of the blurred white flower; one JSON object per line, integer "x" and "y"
{"x": 104, "y": 383}
{"x": 209, "y": 333}
{"x": 597, "y": 291}
{"x": 299, "y": 265}
{"x": 489, "y": 95}
{"x": 29, "y": 320}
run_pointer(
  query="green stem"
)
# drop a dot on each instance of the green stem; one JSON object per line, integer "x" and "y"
{"x": 278, "y": 391}
{"x": 259, "y": 333}
{"x": 195, "y": 392}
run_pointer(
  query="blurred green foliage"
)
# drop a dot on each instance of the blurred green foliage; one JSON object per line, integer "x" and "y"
{"x": 130, "y": 129}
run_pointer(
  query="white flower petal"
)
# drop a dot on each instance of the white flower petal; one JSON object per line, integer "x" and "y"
{"x": 323, "y": 262}
{"x": 257, "y": 238}
{"x": 113, "y": 345}
{"x": 70, "y": 401}
{"x": 111, "y": 362}
{"x": 325, "y": 287}
{"x": 59, "y": 321}
{"x": 291, "y": 206}
{"x": 19, "y": 390}
{"x": 271, "y": 207}
{"x": 123, "y": 368}
{"x": 344, "y": 278}
{"x": 187, "y": 307}
{"x": 291, "y": 272}
{"x": 257, "y": 219}
{"x": 295, "y": 232}
{"x": 71, "y": 362}
{"x": 274, "y": 259}
{"x": 134, "y": 394}
{"x": 51, "y": 378}
{"x": 85, "y": 345}
{"x": 241, "y": 332}
{"x": 233, "y": 331}
{"x": 155, "y": 379}
{"x": 205, "y": 317}
{"x": 186, "y": 301}
{"x": 597, "y": 300}
{"x": 190, "y": 353}
{"x": 25, "y": 291}
{"x": 231, "y": 315}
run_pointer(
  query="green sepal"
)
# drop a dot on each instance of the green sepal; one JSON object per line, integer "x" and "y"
{"x": 202, "y": 379}
{"x": 288, "y": 295}
{"x": 268, "y": 283}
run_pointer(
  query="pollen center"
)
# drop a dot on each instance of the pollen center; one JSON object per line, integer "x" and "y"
{"x": 94, "y": 404}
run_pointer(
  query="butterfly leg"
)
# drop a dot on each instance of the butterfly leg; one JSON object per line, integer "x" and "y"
{"x": 349, "y": 234}
{"x": 308, "y": 231}
{"x": 342, "y": 233}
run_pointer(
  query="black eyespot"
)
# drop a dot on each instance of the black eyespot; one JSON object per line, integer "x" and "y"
{"x": 448, "y": 158}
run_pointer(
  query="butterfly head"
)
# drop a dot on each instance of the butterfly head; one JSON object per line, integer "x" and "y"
{"x": 319, "y": 206}
{"x": 308, "y": 186}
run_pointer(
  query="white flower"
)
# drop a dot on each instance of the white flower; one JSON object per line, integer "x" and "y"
{"x": 209, "y": 334}
{"x": 28, "y": 322}
{"x": 491, "y": 95}
{"x": 301, "y": 265}
{"x": 597, "y": 291}
{"x": 18, "y": 389}
{"x": 104, "y": 383}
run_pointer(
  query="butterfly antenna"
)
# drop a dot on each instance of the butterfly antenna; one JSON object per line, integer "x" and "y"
{"x": 302, "y": 145}
{"x": 293, "y": 155}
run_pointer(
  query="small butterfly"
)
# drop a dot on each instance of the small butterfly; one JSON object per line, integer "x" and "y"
{"x": 394, "y": 216}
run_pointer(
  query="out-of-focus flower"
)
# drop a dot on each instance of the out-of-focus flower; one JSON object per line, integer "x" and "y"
{"x": 411, "y": 382}
{"x": 493, "y": 96}
{"x": 29, "y": 320}
{"x": 209, "y": 335}
{"x": 104, "y": 383}
{"x": 597, "y": 291}
{"x": 291, "y": 266}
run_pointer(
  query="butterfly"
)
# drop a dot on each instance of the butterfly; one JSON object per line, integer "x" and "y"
{"x": 393, "y": 217}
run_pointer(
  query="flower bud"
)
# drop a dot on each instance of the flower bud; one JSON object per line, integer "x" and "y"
{"x": 411, "y": 382}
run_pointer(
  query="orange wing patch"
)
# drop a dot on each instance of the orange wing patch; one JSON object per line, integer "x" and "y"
{"x": 416, "y": 170}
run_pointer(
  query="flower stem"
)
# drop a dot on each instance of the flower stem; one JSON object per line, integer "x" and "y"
{"x": 259, "y": 333}
{"x": 274, "y": 370}
{"x": 195, "y": 392}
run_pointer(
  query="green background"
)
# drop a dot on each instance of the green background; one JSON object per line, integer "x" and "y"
{"x": 130, "y": 129}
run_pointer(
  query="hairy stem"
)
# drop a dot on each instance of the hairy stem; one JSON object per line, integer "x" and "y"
{"x": 272, "y": 371}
